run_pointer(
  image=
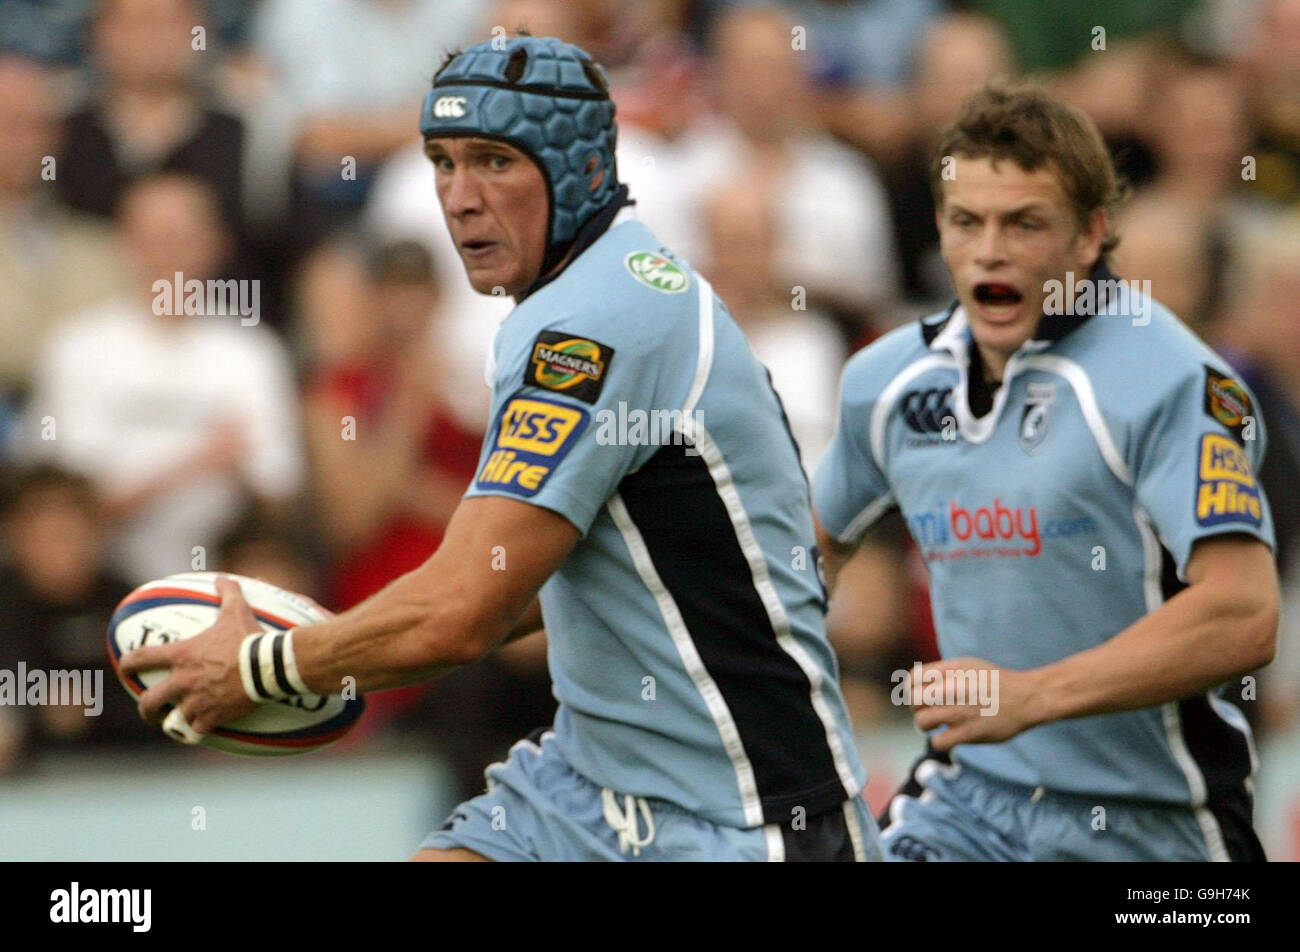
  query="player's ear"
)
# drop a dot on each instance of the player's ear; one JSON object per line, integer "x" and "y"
{"x": 1092, "y": 235}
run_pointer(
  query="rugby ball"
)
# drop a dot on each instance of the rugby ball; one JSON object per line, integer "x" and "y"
{"x": 182, "y": 606}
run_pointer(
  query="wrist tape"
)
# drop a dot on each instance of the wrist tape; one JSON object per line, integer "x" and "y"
{"x": 268, "y": 668}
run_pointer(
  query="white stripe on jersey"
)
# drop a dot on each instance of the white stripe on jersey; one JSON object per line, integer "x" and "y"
{"x": 1092, "y": 415}
{"x": 775, "y": 843}
{"x": 704, "y": 362}
{"x": 1154, "y": 597}
{"x": 866, "y": 519}
{"x": 681, "y": 636}
{"x": 855, "y": 829}
{"x": 771, "y": 599}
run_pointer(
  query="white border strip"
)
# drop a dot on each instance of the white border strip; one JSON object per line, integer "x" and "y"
{"x": 866, "y": 519}
{"x": 855, "y": 829}
{"x": 1170, "y": 717}
{"x": 1077, "y": 377}
{"x": 771, "y": 599}
{"x": 775, "y": 843}
{"x": 690, "y": 656}
{"x": 704, "y": 361}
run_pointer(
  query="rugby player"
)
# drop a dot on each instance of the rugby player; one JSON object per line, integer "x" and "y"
{"x": 1078, "y": 470}
{"x": 699, "y": 711}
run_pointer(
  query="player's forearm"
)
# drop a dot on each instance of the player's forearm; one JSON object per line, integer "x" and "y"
{"x": 1204, "y": 636}
{"x": 411, "y": 631}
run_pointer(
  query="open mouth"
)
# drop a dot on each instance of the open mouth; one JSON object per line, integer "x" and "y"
{"x": 993, "y": 294}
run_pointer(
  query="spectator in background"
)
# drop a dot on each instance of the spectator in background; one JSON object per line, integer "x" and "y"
{"x": 955, "y": 54}
{"x": 674, "y": 151}
{"x": 859, "y": 61}
{"x": 389, "y": 464}
{"x": 52, "y": 262}
{"x": 330, "y": 304}
{"x": 861, "y": 44}
{"x": 833, "y": 228}
{"x": 1170, "y": 245}
{"x": 1181, "y": 228}
{"x": 1273, "y": 66}
{"x": 800, "y": 346}
{"x": 667, "y": 134}
{"x": 1199, "y": 132}
{"x": 349, "y": 70}
{"x": 1118, "y": 87}
{"x": 57, "y": 592}
{"x": 269, "y": 550}
{"x": 149, "y": 112}
{"x": 180, "y": 419}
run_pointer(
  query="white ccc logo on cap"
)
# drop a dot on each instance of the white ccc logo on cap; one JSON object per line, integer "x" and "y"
{"x": 449, "y": 107}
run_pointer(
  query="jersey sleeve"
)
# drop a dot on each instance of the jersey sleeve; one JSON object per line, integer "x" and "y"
{"x": 1195, "y": 458}
{"x": 849, "y": 490}
{"x": 571, "y": 416}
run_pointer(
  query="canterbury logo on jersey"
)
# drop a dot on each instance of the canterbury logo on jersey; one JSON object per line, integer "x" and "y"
{"x": 912, "y": 850}
{"x": 928, "y": 411}
{"x": 449, "y": 107}
{"x": 1226, "y": 490}
{"x": 532, "y": 436}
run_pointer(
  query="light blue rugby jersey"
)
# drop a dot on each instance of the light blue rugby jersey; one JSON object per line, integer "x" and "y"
{"x": 687, "y": 645}
{"x": 1061, "y": 516}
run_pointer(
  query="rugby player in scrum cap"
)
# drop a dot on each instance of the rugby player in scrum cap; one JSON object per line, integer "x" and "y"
{"x": 640, "y": 474}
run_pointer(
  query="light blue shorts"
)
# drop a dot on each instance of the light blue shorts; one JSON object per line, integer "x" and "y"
{"x": 947, "y": 812}
{"x": 537, "y": 807}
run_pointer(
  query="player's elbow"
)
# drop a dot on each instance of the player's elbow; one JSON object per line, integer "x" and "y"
{"x": 1239, "y": 580}
{"x": 1256, "y": 627}
{"x": 1263, "y": 637}
{"x": 452, "y": 634}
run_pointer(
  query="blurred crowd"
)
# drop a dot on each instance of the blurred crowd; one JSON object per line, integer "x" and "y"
{"x": 320, "y": 436}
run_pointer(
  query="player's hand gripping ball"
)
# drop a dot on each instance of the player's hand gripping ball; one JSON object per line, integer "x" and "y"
{"x": 180, "y": 607}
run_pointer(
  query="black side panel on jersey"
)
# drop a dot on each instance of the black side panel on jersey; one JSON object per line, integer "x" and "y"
{"x": 825, "y": 839}
{"x": 690, "y": 538}
{"x": 1219, "y": 749}
{"x": 1232, "y": 811}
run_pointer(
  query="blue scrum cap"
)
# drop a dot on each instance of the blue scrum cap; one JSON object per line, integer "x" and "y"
{"x": 545, "y": 97}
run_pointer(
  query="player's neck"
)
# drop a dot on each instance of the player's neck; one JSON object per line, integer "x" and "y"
{"x": 993, "y": 364}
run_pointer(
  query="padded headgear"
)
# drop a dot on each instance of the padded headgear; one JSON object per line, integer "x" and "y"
{"x": 545, "y": 97}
